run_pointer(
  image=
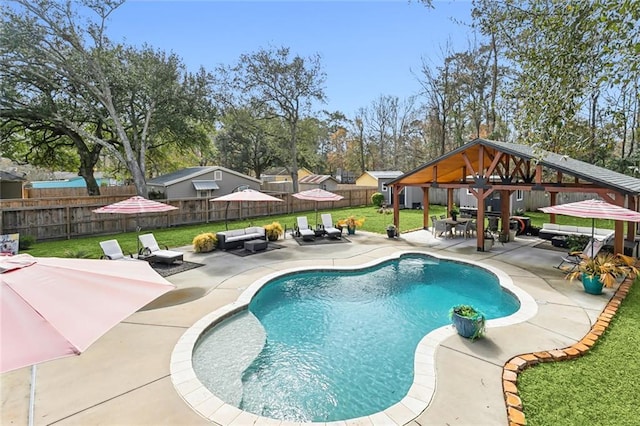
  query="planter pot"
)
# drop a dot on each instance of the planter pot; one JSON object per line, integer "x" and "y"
{"x": 488, "y": 244}
{"x": 591, "y": 284}
{"x": 272, "y": 237}
{"x": 391, "y": 233}
{"x": 351, "y": 230}
{"x": 454, "y": 216}
{"x": 466, "y": 327}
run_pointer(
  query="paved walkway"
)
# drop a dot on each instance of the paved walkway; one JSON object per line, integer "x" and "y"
{"x": 124, "y": 378}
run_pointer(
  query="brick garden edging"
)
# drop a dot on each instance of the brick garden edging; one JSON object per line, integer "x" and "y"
{"x": 519, "y": 363}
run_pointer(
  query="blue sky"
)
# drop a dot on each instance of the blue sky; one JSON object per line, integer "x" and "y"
{"x": 368, "y": 48}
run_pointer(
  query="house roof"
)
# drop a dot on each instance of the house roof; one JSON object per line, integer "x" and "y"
{"x": 448, "y": 167}
{"x": 382, "y": 174}
{"x": 316, "y": 179}
{"x": 10, "y": 177}
{"x": 191, "y": 173}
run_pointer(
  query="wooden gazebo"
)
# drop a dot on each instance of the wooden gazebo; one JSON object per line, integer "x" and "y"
{"x": 475, "y": 166}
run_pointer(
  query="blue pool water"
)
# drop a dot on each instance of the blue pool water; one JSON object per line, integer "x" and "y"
{"x": 341, "y": 344}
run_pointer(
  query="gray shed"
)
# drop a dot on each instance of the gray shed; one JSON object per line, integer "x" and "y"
{"x": 199, "y": 182}
{"x": 10, "y": 186}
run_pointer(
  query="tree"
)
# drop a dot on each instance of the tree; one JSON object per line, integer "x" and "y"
{"x": 274, "y": 82}
{"x": 71, "y": 79}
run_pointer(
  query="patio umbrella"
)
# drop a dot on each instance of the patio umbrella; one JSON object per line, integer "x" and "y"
{"x": 54, "y": 307}
{"x": 245, "y": 195}
{"x": 594, "y": 209}
{"x": 136, "y": 205}
{"x": 317, "y": 195}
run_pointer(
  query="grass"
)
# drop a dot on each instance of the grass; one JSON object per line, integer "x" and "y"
{"x": 600, "y": 388}
{"x": 183, "y": 235}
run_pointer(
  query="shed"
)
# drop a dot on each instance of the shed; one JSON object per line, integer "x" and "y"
{"x": 408, "y": 197}
{"x": 11, "y": 186}
{"x": 199, "y": 182}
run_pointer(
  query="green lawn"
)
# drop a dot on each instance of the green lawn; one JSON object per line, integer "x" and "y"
{"x": 600, "y": 388}
{"x": 181, "y": 236}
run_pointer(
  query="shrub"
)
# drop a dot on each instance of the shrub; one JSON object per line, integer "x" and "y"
{"x": 205, "y": 242}
{"x": 26, "y": 241}
{"x": 273, "y": 231}
{"x": 377, "y": 199}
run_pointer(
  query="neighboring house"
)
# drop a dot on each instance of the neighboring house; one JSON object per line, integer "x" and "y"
{"x": 281, "y": 174}
{"x": 11, "y": 186}
{"x": 409, "y": 197}
{"x": 72, "y": 182}
{"x": 202, "y": 182}
{"x": 326, "y": 182}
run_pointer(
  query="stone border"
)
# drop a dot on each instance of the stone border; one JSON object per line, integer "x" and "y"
{"x": 517, "y": 364}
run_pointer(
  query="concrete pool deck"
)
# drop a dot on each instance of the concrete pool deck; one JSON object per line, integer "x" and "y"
{"x": 124, "y": 378}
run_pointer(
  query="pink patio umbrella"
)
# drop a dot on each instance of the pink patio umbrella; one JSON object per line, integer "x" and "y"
{"x": 594, "y": 209}
{"x": 54, "y": 307}
{"x": 136, "y": 205}
{"x": 245, "y": 195}
{"x": 317, "y": 195}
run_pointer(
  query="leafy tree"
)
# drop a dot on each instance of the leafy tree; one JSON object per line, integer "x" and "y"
{"x": 280, "y": 85}
{"x": 68, "y": 77}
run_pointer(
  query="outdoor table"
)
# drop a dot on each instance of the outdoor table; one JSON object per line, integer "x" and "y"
{"x": 255, "y": 245}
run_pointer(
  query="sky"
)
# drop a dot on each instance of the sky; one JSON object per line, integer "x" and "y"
{"x": 367, "y": 48}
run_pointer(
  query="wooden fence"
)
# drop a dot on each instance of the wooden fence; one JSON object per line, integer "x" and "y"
{"x": 49, "y": 219}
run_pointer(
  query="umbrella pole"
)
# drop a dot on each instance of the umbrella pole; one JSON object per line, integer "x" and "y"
{"x": 32, "y": 395}
{"x": 226, "y": 210}
{"x": 593, "y": 228}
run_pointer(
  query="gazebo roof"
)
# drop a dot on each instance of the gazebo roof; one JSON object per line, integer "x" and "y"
{"x": 449, "y": 168}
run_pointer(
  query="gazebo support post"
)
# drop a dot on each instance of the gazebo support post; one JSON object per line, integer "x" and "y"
{"x": 425, "y": 206}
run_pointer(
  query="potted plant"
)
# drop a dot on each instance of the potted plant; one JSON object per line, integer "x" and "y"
{"x": 351, "y": 223}
{"x": 391, "y": 230}
{"x": 454, "y": 212}
{"x": 273, "y": 231}
{"x": 205, "y": 242}
{"x": 602, "y": 270}
{"x": 468, "y": 321}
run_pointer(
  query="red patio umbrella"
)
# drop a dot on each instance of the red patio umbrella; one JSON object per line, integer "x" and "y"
{"x": 594, "y": 209}
{"x": 136, "y": 205}
{"x": 249, "y": 195}
{"x": 317, "y": 195}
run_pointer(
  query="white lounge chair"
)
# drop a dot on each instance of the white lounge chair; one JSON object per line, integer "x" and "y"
{"x": 112, "y": 251}
{"x": 151, "y": 250}
{"x": 574, "y": 258}
{"x": 304, "y": 230}
{"x": 329, "y": 229}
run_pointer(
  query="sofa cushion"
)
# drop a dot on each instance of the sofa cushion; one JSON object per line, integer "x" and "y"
{"x": 569, "y": 228}
{"x": 550, "y": 226}
{"x": 584, "y": 230}
{"x": 254, "y": 230}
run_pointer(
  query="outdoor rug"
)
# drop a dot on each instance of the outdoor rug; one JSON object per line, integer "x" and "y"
{"x": 321, "y": 240}
{"x": 243, "y": 253}
{"x": 165, "y": 269}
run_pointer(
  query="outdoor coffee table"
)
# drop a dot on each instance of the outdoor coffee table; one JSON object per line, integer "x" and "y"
{"x": 255, "y": 245}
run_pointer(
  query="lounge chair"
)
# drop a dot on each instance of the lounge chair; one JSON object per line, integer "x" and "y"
{"x": 329, "y": 229}
{"x": 573, "y": 258}
{"x": 151, "y": 250}
{"x": 304, "y": 230}
{"x": 112, "y": 251}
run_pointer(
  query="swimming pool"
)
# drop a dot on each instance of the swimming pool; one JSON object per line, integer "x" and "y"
{"x": 341, "y": 343}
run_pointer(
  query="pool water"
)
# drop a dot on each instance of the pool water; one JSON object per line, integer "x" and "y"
{"x": 341, "y": 344}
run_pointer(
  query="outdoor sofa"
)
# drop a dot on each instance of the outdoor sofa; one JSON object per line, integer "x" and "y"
{"x": 550, "y": 230}
{"x": 235, "y": 238}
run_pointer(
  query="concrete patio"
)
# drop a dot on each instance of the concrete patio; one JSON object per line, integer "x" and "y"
{"x": 124, "y": 378}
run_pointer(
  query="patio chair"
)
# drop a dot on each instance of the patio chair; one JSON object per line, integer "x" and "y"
{"x": 441, "y": 227}
{"x": 304, "y": 230}
{"x": 462, "y": 228}
{"x": 573, "y": 258}
{"x": 151, "y": 250}
{"x": 112, "y": 251}
{"x": 329, "y": 229}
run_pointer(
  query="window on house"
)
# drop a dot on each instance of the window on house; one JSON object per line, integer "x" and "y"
{"x": 217, "y": 175}
{"x": 519, "y": 195}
